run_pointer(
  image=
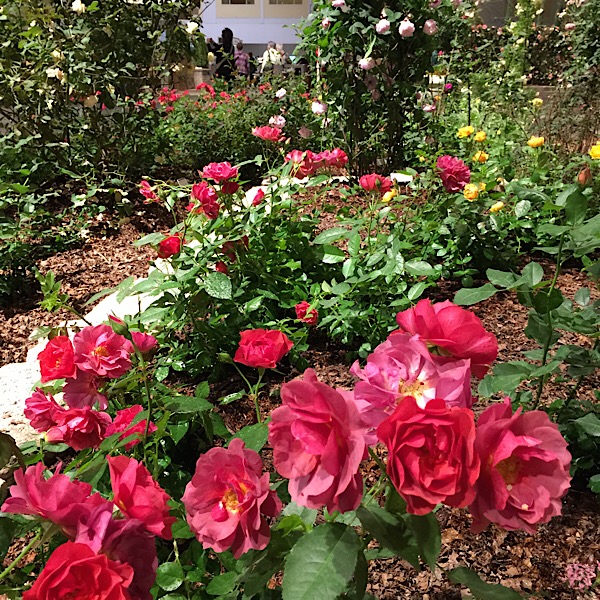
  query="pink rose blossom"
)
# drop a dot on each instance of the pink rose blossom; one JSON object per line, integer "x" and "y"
{"x": 303, "y": 161}
{"x": 79, "y": 428}
{"x": 281, "y": 93}
{"x": 406, "y": 29}
{"x": 383, "y": 26}
{"x": 148, "y": 192}
{"x": 122, "y": 423}
{"x": 220, "y": 172}
{"x": 267, "y": 133}
{"x": 429, "y": 108}
{"x": 40, "y": 410}
{"x": 524, "y": 469}
{"x": 83, "y": 391}
{"x": 453, "y": 330}
{"x": 454, "y": 173}
{"x": 138, "y": 496}
{"x": 310, "y": 317}
{"x": 228, "y": 499}
{"x": 366, "y": 63}
{"x": 430, "y": 27}
{"x": 258, "y": 197}
{"x": 318, "y": 108}
{"x": 102, "y": 352}
{"x": 277, "y": 121}
{"x": 304, "y": 132}
{"x": 57, "y": 499}
{"x": 318, "y": 442}
{"x": 341, "y": 4}
{"x": 402, "y": 366}
{"x": 207, "y": 196}
{"x": 435, "y": 4}
{"x": 326, "y": 23}
{"x": 144, "y": 342}
{"x": 570, "y": 26}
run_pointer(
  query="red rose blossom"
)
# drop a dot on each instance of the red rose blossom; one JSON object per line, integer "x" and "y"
{"x": 455, "y": 331}
{"x": 83, "y": 391}
{"x": 258, "y": 197}
{"x": 454, "y": 173}
{"x": 431, "y": 454}
{"x": 207, "y": 196}
{"x": 57, "y": 359}
{"x": 311, "y": 317}
{"x": 376, "y": 183}
{"x": 170, "y": 246}
{"x": 75, "y": 571}
{"x": 122, "y": 423}
{"x": 262, "y": 348}
{"x": 269, "y": 134}
{"x": 228, "y": 499}
{"x": 79, "y": 428}
{"x": 40, "y": 410}
{"x": 102, "y": 352}
{"x": 138, "y": 496}
{"x": 303, "y": 161}
{"x": 220, "y": 172}
{"x": 148, "y": 192}
{"x": 524, "y": 469}
{"x": 230, "y": 187}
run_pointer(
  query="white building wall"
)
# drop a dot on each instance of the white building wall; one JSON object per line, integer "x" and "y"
{"x": 252, "y": 31}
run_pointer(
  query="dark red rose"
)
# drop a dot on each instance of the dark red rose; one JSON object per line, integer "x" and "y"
{"x": 262, "y": 348}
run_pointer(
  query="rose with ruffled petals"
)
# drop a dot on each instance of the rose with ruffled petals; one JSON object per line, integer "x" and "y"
{"x": 79, "y": 428}
{"x": 57, "y": 499}
{"x": 303, "y": 163}
{"x": 318, "y": 441}
{"x": 122, "y": 424}
{"x": 83, "y": 391}
{"x": 138, "y": 496}
{"x": 207, "y": 196}
{"x": 41, "y": 409}
{"x": 453, "y": 331}
{"x": 431, "y": 454}
{"x": 102, "y": 352}
{"x": 220, "y": 172}
{"x": 454, "y": 173}
{"x": 269, "y": 134}
{"x": 229, "y": 499}
{"x": 262, "y": 348}
{"x": 403, "y": 366}
{"x": 75, "y": 571}
{"x": 57, "y": 359}
{"x": 524, "y": 469}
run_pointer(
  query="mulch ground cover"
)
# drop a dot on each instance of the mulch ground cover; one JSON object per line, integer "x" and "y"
{"x": 529, "y": 564}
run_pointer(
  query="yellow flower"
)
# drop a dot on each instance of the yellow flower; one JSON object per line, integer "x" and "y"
{"x": 388, "y": 196}
{"x": 595, "y": 151}
{"x": 535, "y": 142}
{"x": 465, "y": 131}
{"x": 471, "y": 192}
{"x": 482, "y": 186}
{"x": 480, "y": 156}
{"x": 496, "y": 207}
{"x": 437, "y": 98}
{"x": 537, "y": 102}
{"x": 421, "y": 159}
{"x": 480, "y": 136}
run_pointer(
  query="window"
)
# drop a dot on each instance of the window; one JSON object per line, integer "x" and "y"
{"x": 285, "y": 1}
{"x": 237, "y": 1}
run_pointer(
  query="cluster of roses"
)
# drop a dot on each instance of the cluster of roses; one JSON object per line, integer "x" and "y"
{"x": 306, "y": 163}
{"x": 111, "y": 550}
{"x": 96, "y": 353}
{"x": 413, "y": 396}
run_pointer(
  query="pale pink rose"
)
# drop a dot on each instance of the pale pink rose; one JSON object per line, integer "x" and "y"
{"x": 277, "y": 121}
{"x": 524, "y": 469}
{"x": 326, "y": 23}
{"x": 366, "y": 63}
{"x": 435, "y": 4}
{"x": 83, "y": 391}
{"x": 319, "y": 441}
{"x": 570, "y": 26}
{"x": 229, "y": 499}
{"x": 319, "y": 108}
{"x": 100, "y": 351}
{"x": 406, "y": 29}
{"x": 281, "y": 93}
{"x": 383, "y": 26}
{"x": 430, "y": 27}
{"x": 341, "y": 4}
{"x": 403, "y": 366}
{"x": 429, "y": 108}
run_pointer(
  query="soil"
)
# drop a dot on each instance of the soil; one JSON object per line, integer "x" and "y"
{"x": 526, "y": 563}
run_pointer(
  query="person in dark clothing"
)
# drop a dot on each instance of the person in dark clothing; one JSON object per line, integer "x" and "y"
{"x": 225, "y": 56}
{"x": 252, "y": 66}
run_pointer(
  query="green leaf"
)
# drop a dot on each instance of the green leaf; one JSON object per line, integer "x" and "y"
{"x": 429, "y": 540}
{"x": 255, "y": 436}
{"x": 589, "y": 424}
{"x": 181, "y": 530}
{"x": 503, "y": 279}
{"x": 594, "y": 485}
{"x": 522, "y": 208}
{"x": 419, "y": 268}
{"x": 222, "y": 584}
{"x": 8, "y": 529}
{"x": 218, "y": 285}
{"x": 321, "y": 563}
{"x": 331, "y": 235}
{"x": 479, "y": 588}
{"x": 354, "y": 244}
{"x": 232, "y": 397}
{"x": 187, "y": 404}
{"x": 390, "y": 531}
{"x": 332, "y": 255}
{"x": 416, "y": 290}
{"x": 531, "y": 275}
{"x": 169, "y": 576}
{"x": 469, "y": 296}
{"x": 582, "y": 296}
{"x": 545, "y": 301}
{"x": 576, "y": 208}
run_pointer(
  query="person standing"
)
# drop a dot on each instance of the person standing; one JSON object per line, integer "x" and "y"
{"x": 242, "y": 61}
{"x": 270, "y": 58}
{"x": 225, "y": 56}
